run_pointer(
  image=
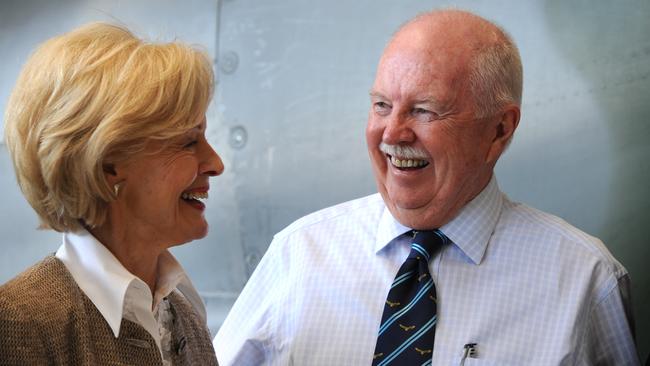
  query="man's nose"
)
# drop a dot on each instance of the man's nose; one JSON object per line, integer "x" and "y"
{"x": 398, "y": 130}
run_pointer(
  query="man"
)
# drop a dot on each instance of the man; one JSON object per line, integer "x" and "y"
{"x": 510, "y": 285}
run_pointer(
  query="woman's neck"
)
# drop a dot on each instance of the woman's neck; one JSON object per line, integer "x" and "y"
{"x": 136, "y": 253}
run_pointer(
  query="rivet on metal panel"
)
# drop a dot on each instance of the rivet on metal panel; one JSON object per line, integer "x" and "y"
{"x": 228, "y": 62}
{"x": 238, "y": 137}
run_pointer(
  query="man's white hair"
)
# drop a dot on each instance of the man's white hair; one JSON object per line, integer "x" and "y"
{"x": 496, "y": 76}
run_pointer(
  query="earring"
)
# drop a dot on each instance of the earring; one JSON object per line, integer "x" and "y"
{"x": 116, "y": 188}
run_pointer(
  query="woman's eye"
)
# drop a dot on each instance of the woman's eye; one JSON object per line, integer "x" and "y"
{"x": 190, "y": 144}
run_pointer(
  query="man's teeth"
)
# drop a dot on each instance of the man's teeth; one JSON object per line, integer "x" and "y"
{"x": 408, "y": 163}
{"x": 194, "y": 195}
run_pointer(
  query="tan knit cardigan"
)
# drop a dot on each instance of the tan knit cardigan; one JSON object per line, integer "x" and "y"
{"x": 45, "y": 319}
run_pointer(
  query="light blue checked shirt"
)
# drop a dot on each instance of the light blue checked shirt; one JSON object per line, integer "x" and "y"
{"x": 525, "y": 286}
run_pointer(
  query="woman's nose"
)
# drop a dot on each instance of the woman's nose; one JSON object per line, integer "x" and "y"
{"x": 212, "y": 164}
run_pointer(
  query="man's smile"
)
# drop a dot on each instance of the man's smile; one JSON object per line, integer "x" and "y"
{"x": 407, "y": 164}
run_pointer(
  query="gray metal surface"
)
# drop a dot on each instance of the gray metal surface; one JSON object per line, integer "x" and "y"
{"x": 291, "y": 104}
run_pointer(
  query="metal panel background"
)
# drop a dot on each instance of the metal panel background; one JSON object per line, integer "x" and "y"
{"x": 291, "y": 105}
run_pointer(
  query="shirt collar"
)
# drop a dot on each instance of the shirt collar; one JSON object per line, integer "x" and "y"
{"x": 470, "y": 230}
{"x": 388, "y": 230}
{"x": 108, "y": 284}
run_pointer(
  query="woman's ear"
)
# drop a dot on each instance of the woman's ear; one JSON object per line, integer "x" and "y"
{"x": 504, "y": 129}
{"x": 109, "y": 169}
{"x": 113, "y": 178}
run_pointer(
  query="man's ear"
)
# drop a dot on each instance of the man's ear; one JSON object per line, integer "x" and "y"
{"x": 503, "y": 131}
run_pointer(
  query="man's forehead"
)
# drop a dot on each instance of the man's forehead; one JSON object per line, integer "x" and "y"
{"x": 450, "y": 33}
{"x": 412, "y": 66}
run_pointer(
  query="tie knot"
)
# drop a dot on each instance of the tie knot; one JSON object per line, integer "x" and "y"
{"x": 425, "y": 243}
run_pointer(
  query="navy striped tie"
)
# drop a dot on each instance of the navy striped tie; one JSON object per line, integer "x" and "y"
{"x": 408, "y": 324}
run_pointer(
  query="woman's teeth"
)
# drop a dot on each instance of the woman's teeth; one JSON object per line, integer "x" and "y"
{"x": 194, "y": 195}
{"x": 408, "y": 163}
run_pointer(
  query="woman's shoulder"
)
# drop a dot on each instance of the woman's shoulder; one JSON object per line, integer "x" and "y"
{"x": 42, "y": 290}
{"x": 34, "y": 308}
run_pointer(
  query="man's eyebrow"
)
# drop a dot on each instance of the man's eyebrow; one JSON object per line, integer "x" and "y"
{"x": 433, "y": 102}
{"x": 436, "y": 105}
{"x": 428, "y": 101}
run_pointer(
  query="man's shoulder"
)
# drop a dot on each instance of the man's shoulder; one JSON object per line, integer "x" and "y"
{"x": 556, "y": 234}
{"x": 361, "y": 211}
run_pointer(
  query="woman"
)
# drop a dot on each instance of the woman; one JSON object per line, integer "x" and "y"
{"x": 107, "y": 137}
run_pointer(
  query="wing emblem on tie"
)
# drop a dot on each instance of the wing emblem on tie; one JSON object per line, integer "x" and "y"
{"x": 377, "y": 355}
{"x": 410, "y": 327}
{"x": 421, "y": 277}
{"x": 392, "y": 304}
{"x": 423, "y": 351}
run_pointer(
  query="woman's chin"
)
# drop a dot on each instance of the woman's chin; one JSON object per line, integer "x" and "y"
{"x": 197, "y": 232}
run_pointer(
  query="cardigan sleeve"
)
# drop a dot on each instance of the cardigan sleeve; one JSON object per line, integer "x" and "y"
{"x": 20, "y": 341}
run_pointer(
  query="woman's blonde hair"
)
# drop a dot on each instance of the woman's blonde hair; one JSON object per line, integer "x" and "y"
{"x": 93, "y": 97}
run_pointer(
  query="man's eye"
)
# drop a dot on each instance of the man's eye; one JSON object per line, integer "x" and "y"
{"x": 381, "y": 107}
{"x": 420, "y": 111}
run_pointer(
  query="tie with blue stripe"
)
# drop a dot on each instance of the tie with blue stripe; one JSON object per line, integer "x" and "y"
{"x": 408, "y": 324}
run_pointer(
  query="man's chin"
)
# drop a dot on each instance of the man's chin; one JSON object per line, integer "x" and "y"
{"x": 406, "y": 202}
{"x": 415, "y": 218}
{"x": 415, "y": 214}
